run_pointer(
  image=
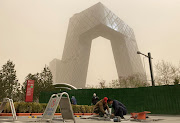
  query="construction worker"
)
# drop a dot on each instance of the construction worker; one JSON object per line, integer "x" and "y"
{"x": 73, "y": 100}
{"x": 95, "y": 99}
{"x": 119, "y": 108}
{"x": 101, "y": 107}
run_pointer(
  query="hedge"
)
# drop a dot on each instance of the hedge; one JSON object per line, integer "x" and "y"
{"x": 23, "y": 107}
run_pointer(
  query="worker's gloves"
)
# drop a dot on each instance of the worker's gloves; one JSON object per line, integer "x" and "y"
{"x": 105, "y": 115}
{"x": 108, "y": 114}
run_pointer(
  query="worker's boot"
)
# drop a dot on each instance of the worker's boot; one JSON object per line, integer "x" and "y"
{"x": 101, "y": 114}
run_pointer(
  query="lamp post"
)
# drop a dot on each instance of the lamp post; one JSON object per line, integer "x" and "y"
{"x": 150, "y": 65}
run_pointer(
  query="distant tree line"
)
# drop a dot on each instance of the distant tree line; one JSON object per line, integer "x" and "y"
{"x": 133, "y": 81}
{"x": 10, "y": 87}
{"x": 166, "y": 73}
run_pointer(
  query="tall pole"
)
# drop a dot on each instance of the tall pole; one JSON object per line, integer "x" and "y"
{"x": 151, "y": 69}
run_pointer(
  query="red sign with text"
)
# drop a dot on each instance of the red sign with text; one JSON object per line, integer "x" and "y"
{"x": 29, "y": 91}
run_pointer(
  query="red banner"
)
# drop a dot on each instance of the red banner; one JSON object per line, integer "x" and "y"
{"x": 29, "y": 91}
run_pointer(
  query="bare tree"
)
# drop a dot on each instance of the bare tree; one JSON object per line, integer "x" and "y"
{"x": 91, "y": 86}
{"x": 166, "y": 72}
{"x": 102, "y": 84}
{"x": 114, "y": 84}
{"x": 132, "y": 81}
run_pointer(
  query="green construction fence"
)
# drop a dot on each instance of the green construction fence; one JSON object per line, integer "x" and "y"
{"x": 157, "y": 100}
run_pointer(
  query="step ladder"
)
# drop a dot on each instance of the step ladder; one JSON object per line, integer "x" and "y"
{"x": 13, "y": 111}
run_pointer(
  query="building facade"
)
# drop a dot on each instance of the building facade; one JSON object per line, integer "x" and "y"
{"x": 83, "y": 28}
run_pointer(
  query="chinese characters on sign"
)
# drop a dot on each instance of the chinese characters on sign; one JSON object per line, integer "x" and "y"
{"x": 51, "y": 107}
{"x": 29, "y": 91}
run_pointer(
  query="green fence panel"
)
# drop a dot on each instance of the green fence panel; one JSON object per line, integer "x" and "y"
{"x": 158, "y": 99}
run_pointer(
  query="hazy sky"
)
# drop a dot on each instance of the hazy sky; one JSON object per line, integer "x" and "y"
{"x": 32, "y": 33}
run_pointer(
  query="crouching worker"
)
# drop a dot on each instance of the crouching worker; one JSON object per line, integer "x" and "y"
{"x": 119, "y": 108}
{"x": 101, "y": 107}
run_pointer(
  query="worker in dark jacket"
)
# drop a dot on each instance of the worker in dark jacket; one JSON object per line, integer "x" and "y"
{"x": 119, "y": 108}
{"x": 73, "y": 100}
{"x": 101, "y": 107}
{"x": 95, "y": 99}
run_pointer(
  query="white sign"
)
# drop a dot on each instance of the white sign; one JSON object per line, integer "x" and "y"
{"x": 65, "y": 107}
{"x": 51, "y": 107}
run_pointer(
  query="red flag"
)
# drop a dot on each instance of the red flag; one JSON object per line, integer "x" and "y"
{"x": 29, "y": 91}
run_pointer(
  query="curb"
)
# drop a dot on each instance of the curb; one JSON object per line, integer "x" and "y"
{"x": 38, "y": 114}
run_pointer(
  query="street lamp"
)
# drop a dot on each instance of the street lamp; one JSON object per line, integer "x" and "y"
{"x": 150, "y": 65}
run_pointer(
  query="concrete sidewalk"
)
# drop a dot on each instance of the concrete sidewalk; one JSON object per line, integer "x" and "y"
{"x": 161, "y": 119}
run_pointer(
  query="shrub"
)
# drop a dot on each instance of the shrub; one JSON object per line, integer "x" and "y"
{"x": 88, "y": 109}
{"x": 83, "y": 109}
{"x": 25, "y": 107}
{"x": 76, "y": 108}
{"x": 28, "y": 107}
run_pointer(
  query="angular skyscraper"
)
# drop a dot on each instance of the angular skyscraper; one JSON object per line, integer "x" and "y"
{"x": 83, "y": 28}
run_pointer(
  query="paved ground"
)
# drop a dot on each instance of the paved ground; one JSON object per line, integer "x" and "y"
{"x": 161, "y": 119}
